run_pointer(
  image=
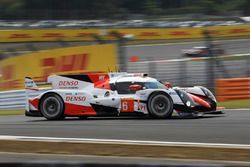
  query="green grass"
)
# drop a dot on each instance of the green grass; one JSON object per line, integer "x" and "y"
{"x": 11, "y": 112}
{"x": 235, "y": 104}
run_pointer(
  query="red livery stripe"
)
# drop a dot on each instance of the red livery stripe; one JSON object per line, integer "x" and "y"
{"x": 200, "y": 101}
{"x": 78, "y": 110}
{"x": 34, "y": 103}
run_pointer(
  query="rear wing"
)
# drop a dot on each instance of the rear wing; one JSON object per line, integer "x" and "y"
{"x": 31, "y": 86}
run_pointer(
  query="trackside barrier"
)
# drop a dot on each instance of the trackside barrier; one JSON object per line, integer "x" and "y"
{"x": 10, "y": 100}
{"x": 32, "y": 35}
{"x": 192, "y": 71}
{"x": 68, "y": 60}
{"x": 172, "y": 71}
{"x": 233, "y": 89}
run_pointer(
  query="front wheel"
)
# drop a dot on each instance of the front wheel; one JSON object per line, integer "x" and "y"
{"x": 160, "y": 105}
{"x": 52, "y": 107}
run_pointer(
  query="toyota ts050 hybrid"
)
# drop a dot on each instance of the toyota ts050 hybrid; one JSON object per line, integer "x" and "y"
{"x": 115, "y": 94}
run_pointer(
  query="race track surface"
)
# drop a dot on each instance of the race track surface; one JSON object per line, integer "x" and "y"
{"x": 146, "y": 52}
{"x": 80, "y": 160}
{"x": 231, "y": 128}
{"x": 174, "y": 50}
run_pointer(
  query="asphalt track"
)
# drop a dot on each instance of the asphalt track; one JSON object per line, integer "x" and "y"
{"x": 75, "y": 160}
{"x": 230, "y": 128}
{"x": 146, "y": 52}
{"x": 174, "y": 50}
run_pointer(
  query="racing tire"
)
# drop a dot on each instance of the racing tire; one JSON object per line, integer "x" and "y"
{"x": 52, "y": 107}
{"x": 160, "y": 105}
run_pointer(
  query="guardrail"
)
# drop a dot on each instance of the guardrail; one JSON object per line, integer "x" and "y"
{"x": 193, "y": 71}
{"x": 10, "y": 100}
{"x": 233, "y": 89}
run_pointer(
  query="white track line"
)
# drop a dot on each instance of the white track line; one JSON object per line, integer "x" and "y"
{"x": 123, "y": 142}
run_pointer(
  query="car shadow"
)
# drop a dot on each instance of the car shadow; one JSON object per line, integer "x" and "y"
{"x": 127, "y": 118}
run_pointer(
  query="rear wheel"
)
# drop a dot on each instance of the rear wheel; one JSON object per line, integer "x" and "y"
{"x": 160, "y": 105}
{"x": 52, "y": 107}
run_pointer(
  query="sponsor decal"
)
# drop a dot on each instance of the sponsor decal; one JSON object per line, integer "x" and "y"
{"x": 215, "y": 32}
{"x": 101, "y": 77}
{"x": 70, "y": 60}
{"x": 20, "y": 36}
{"x": 180, "y": 33}
{"x": 7, "y": 72}
{"x": 85, "y": 34}
{"x": 68, "y": 83}
{"x": 53, "y": 35}
{"x": 7, "y": 75}
{"x": 11, "y": 84}
{"x": 239, "y": 30}
{"x": 64, "y": 63}
{"x": 72, "y": 84}
{"x": 142, "y": 107}
{"x": 140, "y": 33}
{"x": 75, "y": 98}
{"x": 149, "y": 34}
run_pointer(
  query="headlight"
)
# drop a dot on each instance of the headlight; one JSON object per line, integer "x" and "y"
{"x": 208, "y": 93}
{"x": 187, "y": 100}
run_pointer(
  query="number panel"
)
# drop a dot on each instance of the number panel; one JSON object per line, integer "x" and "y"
{"x": 127, "y": 105}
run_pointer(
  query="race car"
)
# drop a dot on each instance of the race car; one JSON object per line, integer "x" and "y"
{"x": 202, "y": 51}
{"x": 115, "y": 94}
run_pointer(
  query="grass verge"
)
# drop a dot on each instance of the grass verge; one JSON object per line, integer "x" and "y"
{"x": 235, "y": 104}
{"x": 11, "y": 112}
{"x": 101, "y": 149}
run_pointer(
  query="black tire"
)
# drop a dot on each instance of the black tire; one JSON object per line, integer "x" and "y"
{"x": 52, "y": 107}
{"x": 160, "y": 105}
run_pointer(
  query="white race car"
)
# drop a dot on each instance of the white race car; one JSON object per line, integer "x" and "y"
{"x": 115, "y": 94}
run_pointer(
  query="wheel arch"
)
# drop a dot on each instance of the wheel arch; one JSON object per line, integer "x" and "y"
{"x": 47, "y": 93}
{"x": 157, "y": 92}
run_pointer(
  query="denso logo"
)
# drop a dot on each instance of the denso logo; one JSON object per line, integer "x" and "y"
{"x": 67, "y": 83}
{"x": 75, "y": 98}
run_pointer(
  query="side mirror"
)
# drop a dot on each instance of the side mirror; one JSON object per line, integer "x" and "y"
{"x": 168, "y": 84}
{"x": 134, "y": 88}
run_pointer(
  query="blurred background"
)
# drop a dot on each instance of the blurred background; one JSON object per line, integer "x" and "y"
{"x": 186, "y": 42}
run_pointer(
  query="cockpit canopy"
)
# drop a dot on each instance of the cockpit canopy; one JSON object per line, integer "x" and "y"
{"x": 123, "y": 87}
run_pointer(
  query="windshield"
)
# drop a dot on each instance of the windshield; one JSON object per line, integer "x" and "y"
{"x": 123, "y": 87}
{"x": 154, "y": 85}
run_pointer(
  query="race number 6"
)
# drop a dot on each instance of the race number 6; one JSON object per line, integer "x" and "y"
{"x": 127, "y": 105}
